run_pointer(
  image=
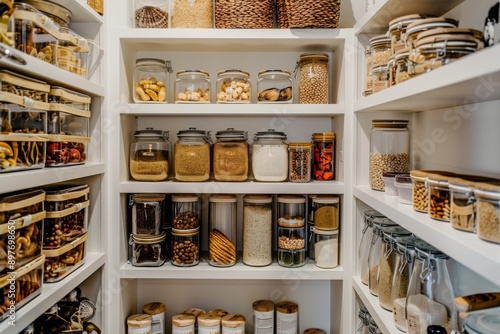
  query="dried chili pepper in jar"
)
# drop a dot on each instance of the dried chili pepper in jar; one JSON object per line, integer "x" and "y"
{"x": 323, "y": 156}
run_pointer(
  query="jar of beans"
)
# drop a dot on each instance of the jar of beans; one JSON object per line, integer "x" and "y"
{"x": 186, "y": 247}
{"x": 150, "y": 79}
{"x": 314, "y": 78}
{"x": 186, "y": 210}
{"x": 323, "y": 156}
{"x": 299, "y": 165}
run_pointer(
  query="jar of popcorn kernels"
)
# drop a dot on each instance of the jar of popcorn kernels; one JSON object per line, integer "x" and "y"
{"x": 233, "y": 86}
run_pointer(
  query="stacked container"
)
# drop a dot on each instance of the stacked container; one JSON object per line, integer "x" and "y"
{"x": 326, "y": 231}
{"x": 291, "y": 230}
{"x": 186, "y": 222}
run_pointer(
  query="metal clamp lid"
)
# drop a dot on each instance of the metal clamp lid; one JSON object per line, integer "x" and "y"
{"x": 271, "y": 133}
{"x": 193, "y": 132}
{"x": 150, "y": 132}
{"x": 231, "y": 133}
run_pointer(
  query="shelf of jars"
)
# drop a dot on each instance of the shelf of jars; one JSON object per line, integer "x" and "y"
{"x": 466, "y": 248}
{"x": 81, "y": 11}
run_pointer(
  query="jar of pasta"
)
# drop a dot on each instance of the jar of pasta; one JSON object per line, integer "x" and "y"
{"x": 313, "y": 78}
{"x": 380, "y": 47}
{"x": 192, "y": 155}
{"x": 230, "y": 155}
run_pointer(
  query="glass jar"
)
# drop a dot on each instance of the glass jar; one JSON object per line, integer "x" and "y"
{"x": 192, "y": 86}
{"x": 380, "y": 78}
{"x": 439, "y": 196}
{"x": 420, "y": 196}
{"x": 391, "y": 69}
{"x": 291, "y": 210}
{"x": 230, "y": 155}
{"x": 157, "y": 313}
{"x": 389, "y": 150}
{"x": 313, "y": 78}
{"x": 148, "y": 213}
{"x": 323, "y": 156}
{"x": 148, "y": 250}
{"x": 150, "y": 79}
{"x": 274, "y": 86}
{"x": 401, "y": 63}
{"x": 380, "y": 47}
{"x": 208, "y": 323}
{"x": 463, "y": 204}
{"x": 192, "y": 14}
{"x": 233, "y": 323}
{"x": 287, "y": 316}
{"x": 183, "y": 323}
{"x": 291, "y": 246}
{"x": 151, "y": 14}
{"x": 234, "y": 86}
{"x": 263, "y": 316}
{"x": 299, "y": 165}
{"x": 222, "y": 230}
{"x": 326, "y": 212}
{"x": 257, "y": 230}
{"x": 488, "y": 212}
{"x": 419, "y": 26}
{"x": 483, "y": 322}
{"x": 397, "y": 31}
{"x": 364, "y": 320}
{"x": 270, "y": 156}
{"x": 139, "y": 324}
{"x": 368, "y": 72}
{"x": 185, "y": 247}
{"x": 192, "y": 155}
{"x": 366, "y": 239}
{"x": 150, "y": 155}
{"x": 186, "y": 211}
{"x": 59, "y": 14}
{"x": 326, "y": 248}
{"x": 375, "y": 250}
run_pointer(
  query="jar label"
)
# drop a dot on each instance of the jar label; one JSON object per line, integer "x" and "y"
{"x": 399, "y": 313}
{"x": 158, "y": 323}
{"x": 286, "y": 323}
{"x": 263, "y": 322}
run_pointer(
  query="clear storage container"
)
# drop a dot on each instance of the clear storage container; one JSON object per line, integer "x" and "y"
{"x": 401, "y": 63}
{"x": 150, "y": 155}
{"x": 63, "y": 150}
{"x": 73, "y": 52}
{"x": 192, "y": 155}
{"x": 234, "y": 86}
{"x": 209, "y": 323}
{"x": 257, "y": 230}
{"x": 380, "y": 47}
{"x": 380, "y": 78}
{"x": 397, "y": 31}
{"x": 150, "y": 80}
{"x": 151, "y": 13}
{"x": 291, "y": 246}
{"x": 270, "y": 156}
{"x": 192, "y": 14}
{"x": 366, "y": 240}
{"x": 61, "y": 262}
{"x": 222, "y": 234}
{"x": 326, "y": 248}
{"x": 69, "y": 112}
{"x": 313, "y": 78}
{"x": 59, "y": 14}
{"x": 488, "y": 212}
{"x": 22, "y": 151}
{"x": 148, "y": 213}
{"x": 274, "y": 86}
{"x": 391, "y": 69}
{"x": 404, "y": 186}
{"x": 231, "y": 155}
{"x": 439, "y": 197}
{"x": 185, "y": 247}
{"x": 186, "y": 211}
{"x": 420, "y": 196}
{"x": 368, "y": 86}
{"x": 323, "y": 156}
{"x": 299, "y": 165}
{"x": 415, "y": 28}
{"x": 148, "y": 250}
{"x": 192, "y": 86}
{"x": 326, "y": 212}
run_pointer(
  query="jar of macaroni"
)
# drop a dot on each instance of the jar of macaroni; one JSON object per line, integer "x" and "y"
{"x": 192, "y": 86}
{"x": 234, "y": 86}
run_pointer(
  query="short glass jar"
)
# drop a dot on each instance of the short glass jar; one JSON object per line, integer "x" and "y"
{"x": 222, "y": 230}
{"x": 463, "y": 204}
{"x": 299, "y": 165}
{"x": 186, "y": 211}
{"x": 185, "y": 247}
{"x": 192, "y": 86}
{"x": 150, "y": 155}
{"x": 313, "y": 78}
{"x": 323, "y": 156}
{"x": 233, "y": 323}
{"x": 148, "y": 213}
{"x": 192, "y": 14}
{"x": 488, "y": 212}
{"x": 291, "y": 210}
{"x": 234, "y": 86}
{"x": 150, "y": 80}
{"x": 326, "y": 212}
{"x": 231, "y": 155}
{"x": 183, "y": 323}
{"x": 439, "y": 197}
{"x": 420, "y": 196}
{"x": 270, "y": 156}
{"x": 326, "y": 248}
{"x": 148, "y": 250}
{"x": 274, "y": 86}
{"x": 380, "y": 47}
{"x": 257, "y": 230}
{"x": 192, "y": 155}
{"x": 380, "y": 78}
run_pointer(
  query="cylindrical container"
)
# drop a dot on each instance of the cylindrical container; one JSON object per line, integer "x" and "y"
{"x": 391, "y": 69}
{"x": 151, "y": 14}
{"x": 404, "y": 186}
{"x": 150, "y": 79}
{"x": 274, "y": 86}
{"x": 366, "y": 239}
{"x": 270, "y": 156}
{"x": 263, "y": 317}
{"x": 186, "y": 247}
{"x": 231, "y": 155}
{"x": 389, "y": 178}
{"x": 192, "y": 155}
{"x": 186, "y": 211}
{"x": 148, "y": 213}
{"x": 368, "y": 90}
{"x": 196, "y": 312}
{"x": 234, "y": 86}
{"x": 314, "y": 331}
{"x": 183, "y": 323}
{"x": 157, "y": 313}
{"x": 291, "y": 246}
{"x": 439, "y": 197}
{"x": 150, "y": 155}
{"x": 401, "y": 63}
{"x": 257, "y": 230}
{"x": 192, "y": 86}
{"x": 139, "y": 324}
{"x": 222, "y": 230}
{"x": 397, "y": 31}
{"x": 488, "y": 212}
{"x": 380, "y": 47}
{"x": 380, "y": 78}
{"x": 414, "y": 29}
{"x": 192, "y": 14}
{"x": 326, "y": 248}
{"x": 148, "y": 250}
{"x": 287, "y": 315}
{"x": 389, "y": 150}
{"x": 209, "y": 323}
{"x": 299, "y": 165}
{"x": 326, "y": 212}
{"x": 233, "y": 323}
{"x": 313, "y": 78}
{"x": 291, "y": 211}
{"x": 323, "y": 156}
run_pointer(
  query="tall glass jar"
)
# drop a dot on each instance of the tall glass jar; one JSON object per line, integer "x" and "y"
{"x": 186, "y": 211}
{"x": 186, "y": 247}
{"x": 230, "y": 155}
{"x": 150, "y": 155}
{"x": 150, "y": 80}
{"x": 234, "y": 86}
{"x": 192, "y": 86}
{"x": 257, "y": 230}
{"x": 366, "y": 239}
{"x": 323, "y": 156}
{"x": 192, "y": 14}
{"x": 222, "y": 230}
{"x": 274, "y": 86}
{"x": 192, "y": 155}
{"x": 375, "y": 250}
{"x": 291, "y": 230}
{"x": 299, "y": 165}
{"x": 313, "y": 78}
{"x": 270, "y": 156}
{"x": 389, "y": 150}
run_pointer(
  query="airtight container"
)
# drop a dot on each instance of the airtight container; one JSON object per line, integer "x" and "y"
{"x": 222, "y": 233}
{"x": 230, "y": 155}
{"x": 270, "y": 156}
{"x": 192, "y": 86}
{"x": 234, "y": 86}
{"x": 274, "y": 86}
{"x": 150, "y": 80}
{"x": 192, "y": 155}
{"x": 257, "y": 230}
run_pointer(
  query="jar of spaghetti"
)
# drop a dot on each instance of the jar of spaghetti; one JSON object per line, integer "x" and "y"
{"x": 263, "y": 317}
{"x": 313, "y": 78}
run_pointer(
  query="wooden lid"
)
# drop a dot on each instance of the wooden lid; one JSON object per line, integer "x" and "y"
{"x": 183, "y": 319}
{"x": 139, "y": 320}
{"x": 287, "y": 307}
{"x": 263, "y": 305}
{"x": 233, "y": 320}
{"x": 153, "y": 308}
{"x": 209, "y": 319}
{"x": 314, "y": 331}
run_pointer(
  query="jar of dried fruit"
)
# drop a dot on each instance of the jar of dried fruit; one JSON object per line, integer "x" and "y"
{"x": 192, "y": 155}
{"x": 323, "y": 156}
{"x": 150, "y": 155}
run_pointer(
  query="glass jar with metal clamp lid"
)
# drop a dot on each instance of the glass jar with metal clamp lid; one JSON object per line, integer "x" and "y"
{"x": 364, "y": 320}
{"x": 366, "y": 239}
{"x": 150, "y": 155}
{"x": 150, "y": 79}
{"x": 415, "y": 28}
{"x": 192, "y": 152}
{"x": 192, "y": 86}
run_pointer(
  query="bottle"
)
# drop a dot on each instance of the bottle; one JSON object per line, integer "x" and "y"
{"x": 185, "y": 247}
{"x": 274, "y": 86}
{"x": 150, "y": 80}
{"x": 222, "y": 230}
{"x": 192, "y": 155}
{"x": 270, "y": 156}
{"x": 233, "y": 323}
{"x": 150, "y": 155}
{"x": 231, "y": 155}
{"x": 157, "y": 313}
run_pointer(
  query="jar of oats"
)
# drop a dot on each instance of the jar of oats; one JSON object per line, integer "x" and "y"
{"x": 192, "y": 155}
{"x": 191, "y": 14}
{"x": 230, "y": 155}
{"x": 257, "y": 230}
{"x": 150, "y": 155}
{"x": 313, "y": 78}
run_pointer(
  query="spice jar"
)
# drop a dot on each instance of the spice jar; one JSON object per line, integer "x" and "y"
{"x": 380, "y": 47}
{"x": 234, "y": 86}
{"x": 139, "y": 324}
{"x": 147, "y": 213}
{"x": 397, "y": 31}
{"x": 208, "y": 323}
{"x": 287, "y": 314}
{"x": 380, "y": 78}
{"x": 274, "y": 86}
{"x": 222, "y": 230}
{"x": 186, "y": 210}
{"x": 366, "y": 239}
{"x": 257, "y": 230}
{"x": 368, "y": 90}
{"x": 389, "y": 150}
{"x": 192, "y": 86}
{"x": 230, "y": 155}
{"x": 192, "y": 14}
{"x": 439, "y": 196}
{"x": 150, "y": 79}
{"x": 488, "y": 211}
{"x": 157, "y": 313}
{"x": 263, "y": 317}
{"x": 326, "y": 212}
{"x": 299, "y": 165}
{"x": 185, "y": 247}
{"x": 148, "y": 250}
{"x": 150, "y": 155}
{"x": 313, "y": 78}
{"x": 233, "y": 323}
{"x": 326, "y": 248}
{"x": 192, "y": 155}
{"x": 270, "y": 156}
{"x": 323, "y": 156}
{"x": 183, "y": 323}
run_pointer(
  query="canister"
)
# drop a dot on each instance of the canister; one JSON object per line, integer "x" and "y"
{"x": 313, "y": 78}
{"x": 209, "y": 323}
{"x": 270, "y": 156}
{"x": 59, "y": 14}
{"x": 150, "y": 80}
{"x": 150, "y": 155}
{"x": 233, "y": 323}
{"x": 192, "y": 14}
{"x": 192, "y": 86}
{"x": 380, "y": 78}
{"x": 274, "y": 86}
{"x": 263, "y": 316}
{"x": 257, "y": 230}
{"x": 488, "y": 211}
{"x": 326, "y": 212}
{"x": 291, "y": 246}
{"x": 157, "y": 312}
{"x": 231, "y": 155}
{"x": 192, "y": 155}
{"x": 183, "y": 323}
{"x": 186, "y": 211}
{"x": 185, "y": 247}
{"x": 291, "y": 210}
{"x": 148, "y": 250}
{"x": 397, "y": 31}
{"x": 323, "y": 156}
{"x": 326, "y": 248}
{"x": 380, "y": 47}
{"x": 287, "y": 315}
{"x": 439, "y": 196}
{"x": 314, "y": 331}
{"x": 222, "y": 230}
{"x": 148, "y": 213}
{"x": 366, "y": 239}
{"x": 234, "y": 86}
{"x": 139, "y": 324}
{"x": 299, "y": 164}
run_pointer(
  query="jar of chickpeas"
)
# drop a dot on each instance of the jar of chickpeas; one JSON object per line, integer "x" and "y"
{"x": 314, "y": 78}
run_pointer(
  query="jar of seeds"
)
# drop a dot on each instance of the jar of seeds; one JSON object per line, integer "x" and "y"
{"x": 150, "y": 155}
{"x": 192, "y": 155}
{"x": 313, "y": 78}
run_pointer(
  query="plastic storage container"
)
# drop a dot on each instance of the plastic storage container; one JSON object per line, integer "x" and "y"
{"x": 234, "y": 86}
{"x": 263, "y": 316}
{"x": 192, "y": 14}
{"x": 192, "y": 86}
{"x": 231, "y": 155}
{"x": 148, "y": 250}
{"x": 326, "y": 212}
{"x": 488, "y": 212}
{"x": 192, "y": 155}
{"x": 270, "y": 156}
{"x": 186, "y": 211}
{"x": 148, "y": 213}
{"x": 186, "y": 247}
{"x": 151, "y": 13}
{"x": 69, "y": 112}
{"x": 274, "y": 86}
{"x": 299, "y": 164}
{"x": 313, "y": 78}
{"x": 222, "y": 233}
{"x": 61, "y": 262}
{"x": 404, "y": 186}
{"x": 22, "y": 151}
{"x": 257, "y": 230}
{"x": 326, "y": 248}
{"x": 389, "y": 186}
{"x": 150, "y": 80}
{"x": 323, "y": 156}
{"x": 150, "y": 155}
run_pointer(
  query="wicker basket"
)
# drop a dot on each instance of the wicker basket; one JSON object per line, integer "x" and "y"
{"x": 308, "y": 13}
{"x": 244, "y": 14}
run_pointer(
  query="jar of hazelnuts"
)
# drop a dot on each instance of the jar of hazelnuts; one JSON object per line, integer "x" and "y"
{"x": 186, "y": 247}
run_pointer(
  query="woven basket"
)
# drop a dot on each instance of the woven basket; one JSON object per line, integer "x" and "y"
{"x": 308, "y": 13}
{"x": 244, "y": 14}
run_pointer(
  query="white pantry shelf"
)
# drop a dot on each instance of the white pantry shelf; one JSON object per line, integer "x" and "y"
{"x": 81, "y": 12}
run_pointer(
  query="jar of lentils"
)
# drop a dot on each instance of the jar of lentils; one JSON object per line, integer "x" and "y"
{"x": 234, "y": 86}
{"x": 185, "y": 247}
{"x": 313, "y": 78}
{"x": 380, "y": 47}
{"x": 222, "y": 230}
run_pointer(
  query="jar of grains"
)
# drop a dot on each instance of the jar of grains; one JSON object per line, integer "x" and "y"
{"x": 192, "y": 86}
{"x": 313, "y": 78}
{"x": 299, "y": 165}
{"x": 192, "y": 155}
{"x": 488, "y": 211}
{"x": 150, "y": 79}
{"x": 150, "y": 155}
{"x": 323, "y": 156}
{"x": 234, "y": 86}
{"x": 139, "y": 324}
{"x": 192, "y": 14}
{"x": 233, "y": 323}
{"x": 185, "y": 247}
{"x": 274, "y": 86}
{"x": 326, "y": 212}
{"x": 257, "y": 230}
{"x": 263, "y": 316}
{"x": 208, "y": 323}
{"x": 151, "y": 14}
{"x": 326, "y": 248}
{"x": 287, "y": 316}
{"x": 186, "y": 211}
{"x": 230, "y": 155}
{"x": 183, "y": 323}
{"x": 147, "y": 213}
{"x": 148, "y": 250}
{"x": 389, "y": 150}
{"x": 222, "y": 230}
{"x": 270, "y": 156}
{"x": 157, "y": 313}
{"x": 380, "y": 47}
{"x": 420, "y": 197}
{"x": 366, "y": 239}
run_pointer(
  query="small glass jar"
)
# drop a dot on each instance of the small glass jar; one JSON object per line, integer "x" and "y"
{"x": 157, "y": 313}
{"x": 415, "y": 28}
{"x": 326, "y": 212}
{"x": 148, "y": 250}
{"x": 148, "y": 213}
{"x": 192, "y": 86}
{"x": 233, "y": 323}
{"x": 380, "y": 78}
{"x": 326, "y": 248}
{"x": 291, "y": 210}
{"x": 401, "y": 63}
{"x": 299, "y": 165}
{"x": 234, "y": 86}
{"x": 374, "y": 253}
{"x": 366, "y": 239}
{"x": 150, "y": 155}
{"x": 439, "y": 197}
{"x": 185, "y": 247}
{"x": 368, "y": 72}
{"x": 186, "y": 211}
{"x": 488, "y": 212}
{"x": 313, "y": 78}
{"x": 192, "y": 14}
{"x": 222, "y": 230}
{"x": 270, "y": 156}
{"x": 397, "y": 31}
{"x": 231, "y": 155}
{"x": 323, "y": 156}
{"x": 420, "y": 197}
{"x": 404, "y": 186}
{"x": 139, "y": 324}
{"x": 263, "y": 316}
{"x": 380, "y": 47}
{"x": 208, "y": 323}
{"x": 183, "y": 323}
{"x": 150, "y": 80}
{"x": 274, "y": 86}
{"x": 192, "y": 155}
{"x": 287, "y": 316}
{"x": 257, "y": 230}
{"x": 389, "y": 150}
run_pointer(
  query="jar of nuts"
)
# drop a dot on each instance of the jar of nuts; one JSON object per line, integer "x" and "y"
{"x": 274, "y": 86}
{"x": 439, "y": 196}
{"x": 233, "y": 86}
{"x": 186, "y": 210}
{"x": 192, "y": 86}
{"x": 314, "y": 78}
{"x": 150, "y": 78}
{"x": 380, "y": 47}
{"x": 185, "y": 247}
